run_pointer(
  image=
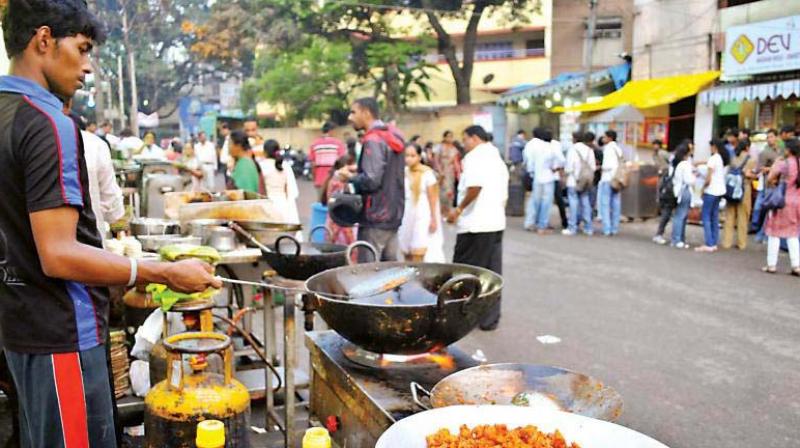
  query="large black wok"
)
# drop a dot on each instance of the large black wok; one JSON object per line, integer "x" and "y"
{"x": 436, "y": 306}
{"x": 525, "y": 385}
{"x": 301, "y": 260}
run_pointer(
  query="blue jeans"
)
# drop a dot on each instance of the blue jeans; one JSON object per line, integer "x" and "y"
{"x": 610, "y": 204}
{"x": 757, "y": 222}
{"x": 579, "y": 205}
{"x": 681, "y": 216}
{"x": 541, "y": 200}
{"x": 710, "y": 217}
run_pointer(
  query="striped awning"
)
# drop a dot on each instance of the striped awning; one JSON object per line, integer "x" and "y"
{"x": 751, "y": 92}
{"x": 565, "y": 83}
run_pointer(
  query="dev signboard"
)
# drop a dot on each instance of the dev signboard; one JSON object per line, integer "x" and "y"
{"x": 762, "y": 47}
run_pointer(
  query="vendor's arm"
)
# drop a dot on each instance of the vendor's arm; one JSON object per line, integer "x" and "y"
{"x": 373, "y": 163}
{"x": 63, "y": 257}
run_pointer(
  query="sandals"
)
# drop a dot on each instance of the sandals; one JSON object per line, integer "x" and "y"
{"x": 795, "y": 272}
{"x": 771, "y": 270}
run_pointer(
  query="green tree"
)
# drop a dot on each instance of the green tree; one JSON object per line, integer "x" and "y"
{"x": 310, "y": 83}
{"x": 391, "y": 67}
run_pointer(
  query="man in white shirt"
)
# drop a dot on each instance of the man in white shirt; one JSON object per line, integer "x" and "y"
{"x": 480, "y": 215}
{"x": 105, "y": 195}
{"x": 610, "y": 201}
{"x": 541, "y": 161}
{"x": 579, "y": 169}
{"x": 206, "y": 154}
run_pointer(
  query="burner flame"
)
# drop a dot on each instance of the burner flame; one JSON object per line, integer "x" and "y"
{"x": 445, "y": 362}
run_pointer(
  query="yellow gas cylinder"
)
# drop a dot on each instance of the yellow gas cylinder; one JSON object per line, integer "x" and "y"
{"x": 197, "y": 316}
{"x": 175, "y": 406}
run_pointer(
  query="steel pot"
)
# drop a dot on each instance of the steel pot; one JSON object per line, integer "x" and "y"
{"x": 222, "y": 239}
{"x": 153, "y": 243}
{"x": 264, "y": 232}
{"x": 438, "y": 307}
{"x": 525, "y": 385}
{"x": 154, "y": 226}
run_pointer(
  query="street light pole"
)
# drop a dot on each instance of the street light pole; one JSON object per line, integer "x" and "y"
{"x": 589, "y": 56}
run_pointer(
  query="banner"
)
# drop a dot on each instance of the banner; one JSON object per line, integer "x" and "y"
{"x": 762, "y": 47}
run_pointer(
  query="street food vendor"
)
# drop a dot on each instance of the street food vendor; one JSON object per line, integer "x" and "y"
{"x": 53, "y": 310}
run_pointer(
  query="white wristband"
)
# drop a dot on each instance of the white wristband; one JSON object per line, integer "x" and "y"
{"x": 134, "y": 272}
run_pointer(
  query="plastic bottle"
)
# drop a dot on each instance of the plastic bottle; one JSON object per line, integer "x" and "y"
{"x": 316, "y": 438}
{"x": 210, "y": 434}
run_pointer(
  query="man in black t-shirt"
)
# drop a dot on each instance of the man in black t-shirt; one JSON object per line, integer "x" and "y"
{"x": 53, "y": 323}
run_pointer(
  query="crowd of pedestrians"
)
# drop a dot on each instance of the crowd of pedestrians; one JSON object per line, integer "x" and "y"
{"x": 751, "y": 188}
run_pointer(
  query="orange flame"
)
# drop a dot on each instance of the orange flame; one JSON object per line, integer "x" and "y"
{"x": 445, "y": 362}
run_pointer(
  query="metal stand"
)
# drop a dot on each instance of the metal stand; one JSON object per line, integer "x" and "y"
{"x": 293, "y": 297}
{"x": 289, "y": 353}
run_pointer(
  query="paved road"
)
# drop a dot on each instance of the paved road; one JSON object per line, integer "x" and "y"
{"x": 705, "y": 349}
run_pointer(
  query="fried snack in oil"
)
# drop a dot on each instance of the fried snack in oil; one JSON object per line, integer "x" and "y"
{"x": 498, "y": 436}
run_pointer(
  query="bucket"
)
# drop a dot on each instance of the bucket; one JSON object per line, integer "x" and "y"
{"x": 319, "y": 213}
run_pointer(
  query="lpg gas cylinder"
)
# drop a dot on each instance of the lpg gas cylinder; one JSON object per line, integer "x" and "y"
{"x": 192, "y": 394}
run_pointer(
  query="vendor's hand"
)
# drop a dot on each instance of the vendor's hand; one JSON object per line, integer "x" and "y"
{"x": 434, "y": 225}
{"x": 191, "y": 276}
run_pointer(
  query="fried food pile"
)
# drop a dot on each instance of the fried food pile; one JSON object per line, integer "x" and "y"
{"x": 498, "y": 436}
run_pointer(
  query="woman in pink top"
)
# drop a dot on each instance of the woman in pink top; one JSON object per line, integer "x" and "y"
{"x": 785, "y": 223}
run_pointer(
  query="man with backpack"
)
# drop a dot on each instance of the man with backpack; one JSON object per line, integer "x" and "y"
{"x": 667, "y": 201}
{"x": 612, "y": 181}
{"x": 738, "y": 196}
{"x": 580, "y": 168}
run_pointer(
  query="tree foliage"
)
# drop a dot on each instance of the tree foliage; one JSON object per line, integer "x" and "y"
{"x": 310, "y": 83}
{"x": 166, "y": 69}
{"x": 376, "y": 60}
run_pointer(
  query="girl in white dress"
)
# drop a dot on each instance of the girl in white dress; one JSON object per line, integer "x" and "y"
{"x": 280, "y": 182}
{"x": 420, "y": 235}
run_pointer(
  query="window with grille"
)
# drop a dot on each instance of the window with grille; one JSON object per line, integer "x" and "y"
{"x": 494, "y": 50}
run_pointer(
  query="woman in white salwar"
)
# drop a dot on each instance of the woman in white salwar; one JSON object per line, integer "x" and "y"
{"x": 281, "y": 185}
{"x": 420, "y": 235}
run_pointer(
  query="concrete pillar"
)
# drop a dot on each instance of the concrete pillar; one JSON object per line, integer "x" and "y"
{"x": 703, "y": 129}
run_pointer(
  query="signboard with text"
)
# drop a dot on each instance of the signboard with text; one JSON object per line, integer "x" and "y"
{"x": 762, "y": 47}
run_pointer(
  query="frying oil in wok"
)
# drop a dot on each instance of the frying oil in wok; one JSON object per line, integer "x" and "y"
{"x": 412, "y": 292}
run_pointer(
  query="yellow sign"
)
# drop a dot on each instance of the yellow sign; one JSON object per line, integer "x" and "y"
{"x": 741, "y": 49}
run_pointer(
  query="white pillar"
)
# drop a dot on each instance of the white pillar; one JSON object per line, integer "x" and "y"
{"x": 703, "y": 129}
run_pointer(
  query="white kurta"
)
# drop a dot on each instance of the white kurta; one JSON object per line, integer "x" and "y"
{"x": 413, "y": 234}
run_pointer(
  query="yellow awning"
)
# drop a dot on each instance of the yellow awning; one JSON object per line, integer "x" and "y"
{"x": 649, "y": 92}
